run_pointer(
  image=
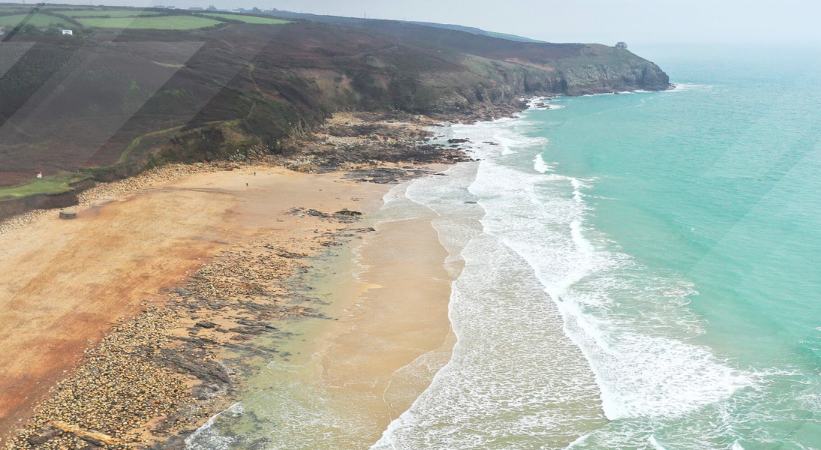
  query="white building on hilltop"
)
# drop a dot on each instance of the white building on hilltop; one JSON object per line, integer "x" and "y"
{"x": 67, "y": 32}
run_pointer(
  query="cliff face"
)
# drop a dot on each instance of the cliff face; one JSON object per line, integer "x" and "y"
{"x": 530, "y": 67}
{"x": 605, "y": 69}
{"x": 128, "y": 99}
{"x": 428, "y": 69}
{"x": 489, "y": 81}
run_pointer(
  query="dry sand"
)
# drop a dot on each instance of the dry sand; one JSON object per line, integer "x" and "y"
{"x": 63, "y": 283}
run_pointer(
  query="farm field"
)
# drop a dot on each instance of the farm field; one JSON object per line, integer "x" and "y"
{"x": 182, "y": 22}
{"x": 37, "y": 20}
{"x": 129, "y": 19}
{"x": 106, "y": 12}
{"x": 248, "y": 19}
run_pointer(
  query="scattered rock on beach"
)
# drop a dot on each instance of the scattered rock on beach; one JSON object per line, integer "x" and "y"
{"x": 347, "y": 216}
{"x": 385, "y": 175}
{"x": 68, "y": 214}
{"x": 158, "y": 376}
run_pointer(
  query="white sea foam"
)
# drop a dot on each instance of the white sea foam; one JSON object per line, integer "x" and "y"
{"x": 539, "y": 164}
{"x": 396, "y": 193}
{"x": 511, "y": 360}
{"x": 681, "y": 87}
{"x": 542, "y": 104}
{"x": 554, "y": 326}
{"x": 640, "y": 373}
{"x": 638, "y": 91}
{"x": 631, "y": 92}
{"x": 207, "y": 438}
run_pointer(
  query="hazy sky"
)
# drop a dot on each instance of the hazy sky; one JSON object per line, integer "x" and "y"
{"x": 606, "y": 21}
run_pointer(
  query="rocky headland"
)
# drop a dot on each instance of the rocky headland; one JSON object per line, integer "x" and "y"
{"x": 244, "y": 91}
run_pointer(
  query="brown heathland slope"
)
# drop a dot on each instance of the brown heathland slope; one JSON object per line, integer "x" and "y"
{"x": 125, "y": 99}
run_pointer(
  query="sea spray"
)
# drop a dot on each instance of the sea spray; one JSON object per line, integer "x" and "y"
{"x": 539, "y": 164}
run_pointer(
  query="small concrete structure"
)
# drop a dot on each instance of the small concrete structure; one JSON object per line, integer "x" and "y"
{"x": 68, "y": 214}
{"x": 67, "y": 32}
{"x": 621, "y": 45}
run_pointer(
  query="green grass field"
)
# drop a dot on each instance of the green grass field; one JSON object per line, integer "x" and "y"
{"x": 50, "y": 185}
{"x": 149, "y": 23}
{"x": 134, "y": 19}
{"x": 37, "y": 20}
{"x": 105, "y": 12}
{"x": 248, "y": 19}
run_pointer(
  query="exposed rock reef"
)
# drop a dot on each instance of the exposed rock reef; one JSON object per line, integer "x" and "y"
{"x": 359, "y": 141}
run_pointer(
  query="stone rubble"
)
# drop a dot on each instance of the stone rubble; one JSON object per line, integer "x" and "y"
{"x": 158, "y": 376}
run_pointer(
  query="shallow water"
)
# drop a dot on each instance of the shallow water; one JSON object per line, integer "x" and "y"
{"x": 634, "y": 271}
{"x": 644, "y": 271}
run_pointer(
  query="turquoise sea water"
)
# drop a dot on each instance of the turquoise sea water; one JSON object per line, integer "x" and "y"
{"x": 641, "y": 271}
{"x": 674, "y": 241}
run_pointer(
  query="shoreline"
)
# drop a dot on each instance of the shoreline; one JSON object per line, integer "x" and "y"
{"x": 173, "y": 342}
{"x": 193, "y": 362}
{"x": 344, "y": 378}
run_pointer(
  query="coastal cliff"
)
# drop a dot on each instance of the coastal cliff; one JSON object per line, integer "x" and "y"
{"x": 115, "y": 102}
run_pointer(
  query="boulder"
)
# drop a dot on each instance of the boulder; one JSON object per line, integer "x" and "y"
{"x": 68, "y": 214}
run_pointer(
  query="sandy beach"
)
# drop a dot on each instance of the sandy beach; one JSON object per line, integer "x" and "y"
{"x": 193, "y": 270}
{"x": 66, "y": 283}
{"x": 401, "y": 317}
{"x": 345, "y": 379}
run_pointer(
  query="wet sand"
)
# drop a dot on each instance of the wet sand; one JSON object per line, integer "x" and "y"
{"x": 64, "y": 283}
{"x": 347, "y": 378}
{"x": 390, "y": 339}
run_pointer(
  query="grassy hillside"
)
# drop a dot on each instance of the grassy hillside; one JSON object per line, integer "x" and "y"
{"x": 45, "y": 19}
{"x": 106, "y": 12}
{"x": 35, "y": 20}
{"x": 358, "y": 22}
{"x": 247, "y": 19}
{"x": 149, "y": 22}
{"x": 137, "y": 87}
